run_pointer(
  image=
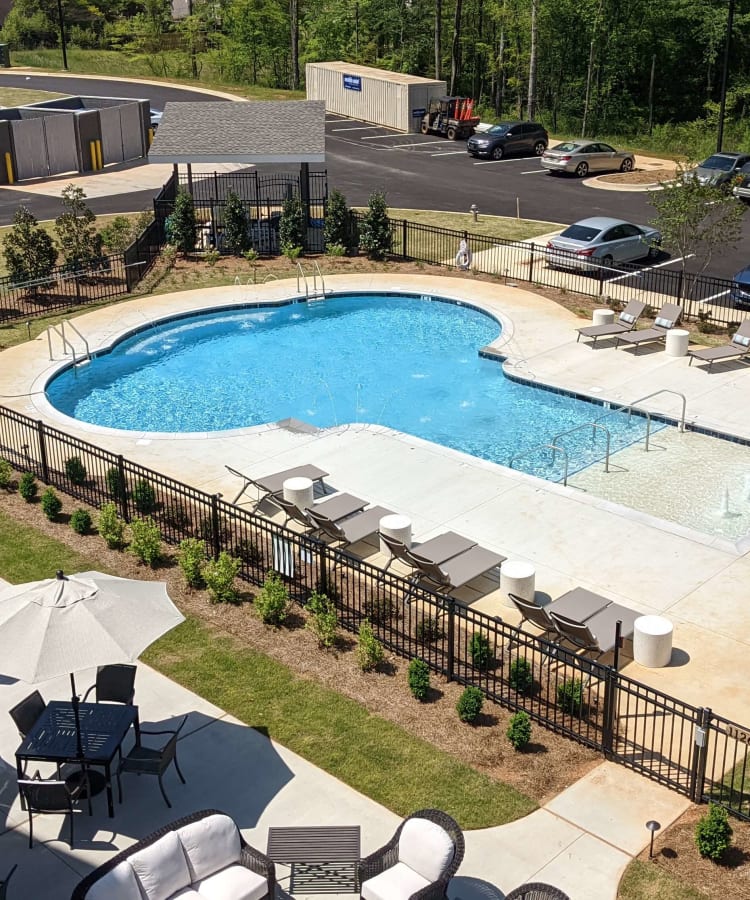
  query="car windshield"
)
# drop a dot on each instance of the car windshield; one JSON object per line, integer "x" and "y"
{"x": 580, "y": 232}
{"x": 565, "y": 148}
{"x": 500, "y": 129}
{"x": 724, "y": 163}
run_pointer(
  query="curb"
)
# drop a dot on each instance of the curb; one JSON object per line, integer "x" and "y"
{"x": 609, "y": 186}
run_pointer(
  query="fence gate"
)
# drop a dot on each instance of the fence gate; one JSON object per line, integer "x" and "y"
{"x": 60, "y": 141}
{"x": 30, "y": 147}
{"x": 131, "y": 127}
{"x": 112, "y": 149}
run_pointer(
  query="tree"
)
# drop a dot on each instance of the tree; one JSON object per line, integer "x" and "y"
{"x": 236, "y": 225}
{"x": 375, "y": 230}
{"x": 117, "y": 235}
{"x": 77, "y": 238}
{"x": 339, "y": 226}
{"x": 292, "y": 225}
{"x": 180, "y": 226}
{"x": 29, "y": 251}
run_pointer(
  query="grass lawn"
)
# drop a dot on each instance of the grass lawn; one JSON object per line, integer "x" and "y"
{"x": 644, "y": 881}
{"x": 506, "y": 227}
{"x": 10, "y": 96}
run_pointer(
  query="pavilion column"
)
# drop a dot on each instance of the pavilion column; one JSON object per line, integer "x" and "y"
{"x": 190, "y": 178}
{"x": 304, "y": 191}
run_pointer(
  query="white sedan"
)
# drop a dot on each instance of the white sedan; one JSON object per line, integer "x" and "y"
{"x": 581, "y": 157}
{"x": 600, "y": 242}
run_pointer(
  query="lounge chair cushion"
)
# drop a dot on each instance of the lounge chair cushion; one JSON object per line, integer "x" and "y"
{"x": 162, "y": 867}
{"x": 397, "y": 883}
{"x": 663, "y": 323}
{"x": 742, "y": 339}
{"x": 210, "y": 844}
{"x": 627, "y": 317}
{"x": 426, "y": 848}
{"x": 119, "y": 884}
{"x": 236, "y": 882}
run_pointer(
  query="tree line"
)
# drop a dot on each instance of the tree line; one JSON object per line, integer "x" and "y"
{"x": 594, "y": 66}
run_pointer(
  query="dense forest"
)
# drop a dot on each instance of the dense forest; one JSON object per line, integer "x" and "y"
{"x": 627, "y": 67}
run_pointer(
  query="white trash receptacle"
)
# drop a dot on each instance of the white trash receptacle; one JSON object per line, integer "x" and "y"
{"x": 299, "y": 491}
{"x": 395, "y": 526}
{"x": 677, "y": 342}
{"x": 652, "y": 641}
{"x": 519, "y": 578}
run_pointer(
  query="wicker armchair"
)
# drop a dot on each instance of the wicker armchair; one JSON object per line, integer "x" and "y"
{"x": 250, "y": 858}
{"x": 387, "y": 857}
{"x": 536, "y": 891}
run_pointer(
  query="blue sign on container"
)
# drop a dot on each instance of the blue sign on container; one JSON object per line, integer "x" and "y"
{"x": 352, "y": 83}
{"x": 418, "y": 113}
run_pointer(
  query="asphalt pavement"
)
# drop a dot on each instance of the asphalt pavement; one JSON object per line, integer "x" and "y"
{"x": 415, "y": 171}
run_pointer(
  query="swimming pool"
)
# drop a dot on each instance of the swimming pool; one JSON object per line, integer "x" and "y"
{"x": 406, "y": 362}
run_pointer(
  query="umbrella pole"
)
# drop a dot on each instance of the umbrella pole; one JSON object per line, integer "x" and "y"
{"x": 75, "y": 700}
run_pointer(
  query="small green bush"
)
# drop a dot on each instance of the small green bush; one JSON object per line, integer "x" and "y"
{"x": 419, "y": 678}
{"x": 380, "y": 608}
{"x": 570, "y": 695}
{"x": 369, "y": 649}
{"x": 211, "y": 257}
{"x": 272, "y": 601}
{"x": 145, "y": 541}
{"x": 335, "y": 250}
{"x": 521, "y": 676}
{"x": 429, "y": 630}
{"x": 116, "y": 485}
{"x": 80, "y": 521}
{"x": 144, "y": 497}
{"x": 219, "y": 575}
{"x": 51, "y": 504}
{"x": 479, "y": 648}
{"x": 6, "y": 474}
{"x": 110, "y": 526}
{"x": 27, "y": 487}
{"x": 75, "y": 470}
{"x": 323, "y": 620}
{"x": 519, "y": 730}
{"x": 713, "y": 833}
{"x": 470, "y": 704}
{"x": 191, "y": 557}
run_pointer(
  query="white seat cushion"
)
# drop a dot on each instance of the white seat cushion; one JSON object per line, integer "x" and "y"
{"x": 119, "y": 884}
{"x": 233, "y": 883}
{"x": 397, "y": 883}
{"x": 161, "y": 867}
{"x": 425, "y": 847}
{"x": 188, "y": 893}
{"x": 210, "y": 844}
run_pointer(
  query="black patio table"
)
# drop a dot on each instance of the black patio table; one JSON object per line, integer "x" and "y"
{"x": 103, "y": 729}
{"x": 323, "y": 858}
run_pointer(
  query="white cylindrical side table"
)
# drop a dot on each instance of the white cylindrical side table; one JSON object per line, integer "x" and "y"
{"x": 652, "y": 641}
{"x": 519, "y": 578}
{"x": 603, "y": 316}
{"x": 395, "y": 526}
{"x": 677, "y": 342}
{"x": 299, "y": 491}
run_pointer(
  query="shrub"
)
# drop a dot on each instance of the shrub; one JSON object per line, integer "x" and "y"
{"x": 116, "y": 484}
{"x": 6, "y": 474}
{"x": 80, "y": 521}
{"x": 144, "y": 496}
{"x": 369, "y": 649}
{"x": 27, "y": 487}
{"x": 110, "y": 526}
{"x": 521, "y": 676}
{"x": 75, "y": 470}
{"x": 191, "y": 556}
{"x": 236, "y": 225}
{"x": 479, "y": 648}
{"x": 375, "y": 230}
{"x": 211, "y": 257}
{"x": 335, "y": 250}
{"x": 470, "y": 704}
{"x": 337, "y": 228}
{"x": 570, "y": 695}
{"x": 380, "y": 608}
{"x": 428, "y": 630}
{"x": 323, "y": 620}
{"x": 219, "y": 575}
{"x": 51, "y": 504}
{"x": 272, "y": 601}
{"x": 419, "y": 678}
{"x": 145, "y": 541}
{"x": 713, "y": 833}
{"x": 181, "y": 227}
{"x": 292, "y": 225}
{"x": 519, "y": 730}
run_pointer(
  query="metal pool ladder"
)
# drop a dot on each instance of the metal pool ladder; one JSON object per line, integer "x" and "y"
{"x": 67, "y": 345}
{"x": 317, "y": 293}
{"x": 555, "y": 448}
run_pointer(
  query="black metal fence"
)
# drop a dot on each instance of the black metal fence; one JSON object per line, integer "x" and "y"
{"x": 687, "y": 748}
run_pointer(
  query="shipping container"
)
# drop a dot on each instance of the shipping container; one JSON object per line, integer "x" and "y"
{"x": 372, "y": 95}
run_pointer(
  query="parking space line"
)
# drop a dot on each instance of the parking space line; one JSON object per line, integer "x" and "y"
{"x": 357, "y": 128}
{"x": 714, "y": 297}
{"x": 419, "y": 144}
{"x": 450, "y": 153}
{"x": 494, "y": 162}
{"x": 534, "y": 172}
{"x": 639, "y": 272}
{"x": 379, "y": 137}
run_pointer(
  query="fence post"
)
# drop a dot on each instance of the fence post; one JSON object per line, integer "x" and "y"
{"x": 404, "y": 233}
{"x": 531, "y": 263}
{"x": 679, "y": 284}
{"x": 451, "y": 638}
{"x": 122, "y": 494}
{"x": 323, "y": 568}
{"x": 600, "y": 271}
{"x": 215, "y": 537}
{"x": 42, "y": 451}
{"x": 611, "y": 684}
{"x": 700, "y": 754}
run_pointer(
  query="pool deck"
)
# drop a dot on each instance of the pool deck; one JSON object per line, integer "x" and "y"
{"x": 571, "y": 537}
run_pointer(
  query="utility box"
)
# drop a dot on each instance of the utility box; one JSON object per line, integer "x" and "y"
{"x": 372, "y": 95}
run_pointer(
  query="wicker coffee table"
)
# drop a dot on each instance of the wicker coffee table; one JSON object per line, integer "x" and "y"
{"x": 323, "y": 859}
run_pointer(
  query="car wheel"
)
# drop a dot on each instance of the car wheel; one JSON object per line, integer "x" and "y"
{"x": 539, "y": 148}
{"x": 582, "y": 169}
{"x": 497, "y": 152}
{"x": 425, "y": 128}
{"x": 452, "y": 133}
{"x": 653, "y": 252}
{"x": 626, "y": 165}
{"x": 607, "y": 261}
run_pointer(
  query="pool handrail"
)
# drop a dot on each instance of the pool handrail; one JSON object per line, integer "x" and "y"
{"x": 543, "y": 447}
{"x": 593, "y": 426}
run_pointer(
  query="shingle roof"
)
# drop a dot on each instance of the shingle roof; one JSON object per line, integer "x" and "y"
{"x": 256, "y": 132}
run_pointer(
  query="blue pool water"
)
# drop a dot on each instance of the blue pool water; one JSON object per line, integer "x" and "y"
{"x": 405, "y": 362}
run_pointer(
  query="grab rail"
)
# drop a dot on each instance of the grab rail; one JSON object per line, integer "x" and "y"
{"x": 85, "y": 342}
{"x": 66, "y": 343}
{"x": 301, "y": 272}
{"x": 316, "y": 273}
{"x": 543, "y": 447}
{"x": 666, "y": 391}
{"x": 593, "y": 426}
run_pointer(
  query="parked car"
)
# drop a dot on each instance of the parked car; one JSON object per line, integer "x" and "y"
{"x": 509, "y": 137}
{"x": 156, "y": 115}
{"x": 739, "y": 293}
{"x": 719, "y": 169}
{"x": 741, "y": 189}
{"x": 601, "y": 241}
{"x": 581, "y": 157}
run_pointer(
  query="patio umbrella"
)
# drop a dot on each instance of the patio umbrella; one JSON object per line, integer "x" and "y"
{"x": 62, "y": 624}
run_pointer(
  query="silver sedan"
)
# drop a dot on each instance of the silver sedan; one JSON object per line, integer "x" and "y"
{"x": 600, "y": 242}
{"x": 581, "y": 157}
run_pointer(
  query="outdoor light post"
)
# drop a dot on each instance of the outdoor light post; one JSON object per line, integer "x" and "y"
{"x": 653, "y": 827}
{"x": 62, "y": 35}
{"x": 725, "y": 76}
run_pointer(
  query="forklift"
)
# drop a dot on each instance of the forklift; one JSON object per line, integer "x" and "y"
{"x": 450, "y": 117}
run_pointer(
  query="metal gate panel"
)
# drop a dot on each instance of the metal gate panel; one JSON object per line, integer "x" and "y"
{"x": 131, "y": 124}
{"x": 109, "y": 119}
{"x": 31, "y": 149}
{"x": 62, "y": 150}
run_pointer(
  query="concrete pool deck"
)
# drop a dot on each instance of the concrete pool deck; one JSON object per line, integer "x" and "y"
{"x": 571, "y": 537}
